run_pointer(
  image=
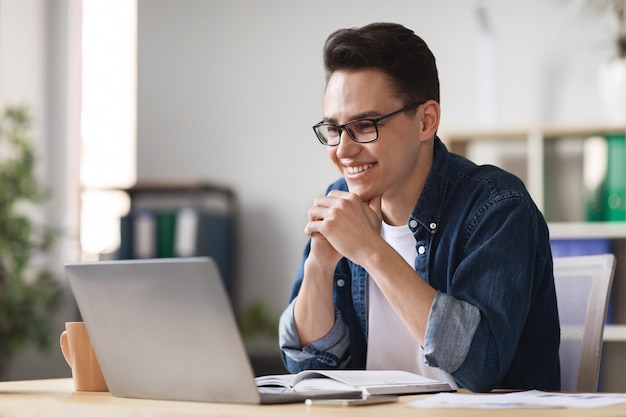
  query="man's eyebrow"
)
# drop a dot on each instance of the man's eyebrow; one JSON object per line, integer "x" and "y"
{"x": 368, "y": 114}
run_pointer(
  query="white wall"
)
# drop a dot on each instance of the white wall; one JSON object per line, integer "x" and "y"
{"x": 229, "y": 89}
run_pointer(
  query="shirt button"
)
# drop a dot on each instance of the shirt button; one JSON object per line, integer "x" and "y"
{"x": 340, "y": 283}
{"x": 421, "y": 250}
{"x": 413, "y": 224}
{"x": 433, "y": 226}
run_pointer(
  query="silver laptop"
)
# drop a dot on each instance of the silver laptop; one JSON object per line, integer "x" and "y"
{"x": 165, "y": 329}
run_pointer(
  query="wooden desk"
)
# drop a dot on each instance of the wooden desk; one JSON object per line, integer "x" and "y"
{"x": 56, "y": 397}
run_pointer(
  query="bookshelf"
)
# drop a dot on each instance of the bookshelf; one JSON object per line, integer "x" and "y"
{"x": 179, "y": 218}
{"x": 550, "y": 162}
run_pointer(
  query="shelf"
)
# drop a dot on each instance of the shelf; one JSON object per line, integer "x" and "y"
{"x": 180, "y": 186}
{"x": 180, "y": 192}
{"x": 615, "y": 333}
{"x": 548, "y": 132}
{"x": 534, "y": 138}
{"x": 587, "y": 230}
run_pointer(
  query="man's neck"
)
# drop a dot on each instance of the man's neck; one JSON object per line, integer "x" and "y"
{"x": 397, "y": 205}
{"x": 396, "y": 213}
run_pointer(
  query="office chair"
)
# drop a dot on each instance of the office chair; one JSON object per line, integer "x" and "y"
{"x": 582, "y": 285}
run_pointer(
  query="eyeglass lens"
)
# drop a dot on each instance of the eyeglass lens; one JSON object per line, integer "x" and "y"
{"x": 359, "y": 130}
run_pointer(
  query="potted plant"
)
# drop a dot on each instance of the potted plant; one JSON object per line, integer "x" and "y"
{"x": 29, "y": 293}
{"x": 259, "y": 331}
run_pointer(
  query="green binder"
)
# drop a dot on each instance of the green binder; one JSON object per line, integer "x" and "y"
{"x": 615, "y": 197}
{"x": 165, "y": 230}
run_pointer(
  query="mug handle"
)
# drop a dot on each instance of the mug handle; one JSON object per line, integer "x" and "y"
{"x": 65, "y": 348}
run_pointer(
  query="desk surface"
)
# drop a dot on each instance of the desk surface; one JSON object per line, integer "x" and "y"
{"x": 56, "y": 397}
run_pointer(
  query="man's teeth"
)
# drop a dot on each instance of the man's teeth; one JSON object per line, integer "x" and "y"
{"x": 361, "y": 168}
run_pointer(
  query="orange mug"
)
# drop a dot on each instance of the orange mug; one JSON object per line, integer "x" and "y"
{"x": 79, "y": 355}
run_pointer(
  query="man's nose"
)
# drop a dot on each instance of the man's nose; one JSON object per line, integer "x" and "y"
{"x": 347, "y": 146}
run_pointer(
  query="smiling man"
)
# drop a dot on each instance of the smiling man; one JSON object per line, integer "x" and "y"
{"x": 418, "y": 259}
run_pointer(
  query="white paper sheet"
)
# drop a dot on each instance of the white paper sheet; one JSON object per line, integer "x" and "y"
{"x": 524, "y": 399}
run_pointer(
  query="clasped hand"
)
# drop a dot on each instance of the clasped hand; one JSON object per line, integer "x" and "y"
{"x": 341, "y": 224}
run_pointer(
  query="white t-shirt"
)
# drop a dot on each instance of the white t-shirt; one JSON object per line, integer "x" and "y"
{"x": 390, "y": 343}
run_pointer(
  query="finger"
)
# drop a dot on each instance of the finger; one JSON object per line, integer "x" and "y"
{"x": 339, "y": 194}
{"x": 317, "y": 213}
{"x": 324, "y": 201}
{"x": 313, "y": 228}
{"x": 308, "y": 230}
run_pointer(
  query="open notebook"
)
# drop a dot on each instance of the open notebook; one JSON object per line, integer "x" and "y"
{"x": 372, "y": 382}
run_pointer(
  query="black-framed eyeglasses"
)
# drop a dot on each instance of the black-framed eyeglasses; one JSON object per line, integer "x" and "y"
{"x": 360, "y": 131}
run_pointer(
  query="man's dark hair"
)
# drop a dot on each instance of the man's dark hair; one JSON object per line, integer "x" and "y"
{"x": 391, "y": 48}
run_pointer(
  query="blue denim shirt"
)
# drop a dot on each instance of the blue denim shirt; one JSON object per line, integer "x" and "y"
{"x": 494, "y": 321}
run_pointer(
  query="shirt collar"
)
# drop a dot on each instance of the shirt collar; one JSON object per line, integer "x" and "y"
{"x": 427, "y": 211}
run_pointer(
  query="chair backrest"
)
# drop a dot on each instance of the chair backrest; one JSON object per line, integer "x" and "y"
{"x": 583, "y": 285}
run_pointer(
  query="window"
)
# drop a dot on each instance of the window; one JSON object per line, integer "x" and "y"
{"x": 108, "y": 121}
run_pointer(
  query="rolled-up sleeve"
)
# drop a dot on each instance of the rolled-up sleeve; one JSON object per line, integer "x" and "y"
{"x": 449, "y": 332}
{"x": 328, "y": 350}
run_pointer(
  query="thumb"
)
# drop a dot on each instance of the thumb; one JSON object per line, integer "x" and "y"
{"x": 375, "y": 204}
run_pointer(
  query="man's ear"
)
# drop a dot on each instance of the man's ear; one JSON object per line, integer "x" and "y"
{"x": 431, "y": 112}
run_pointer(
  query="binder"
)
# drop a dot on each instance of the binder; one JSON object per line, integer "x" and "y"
{"x": 144, "y": 231}
{"x": 165, "y": 229}
{"x": 615, "y": 196}
{"x": 579, "y": 247}
{"x": 186, "y": 234}
{"x": 216, "y": 239}
{"x": 594, "y": 177}
{"x": 126, "y": 237}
